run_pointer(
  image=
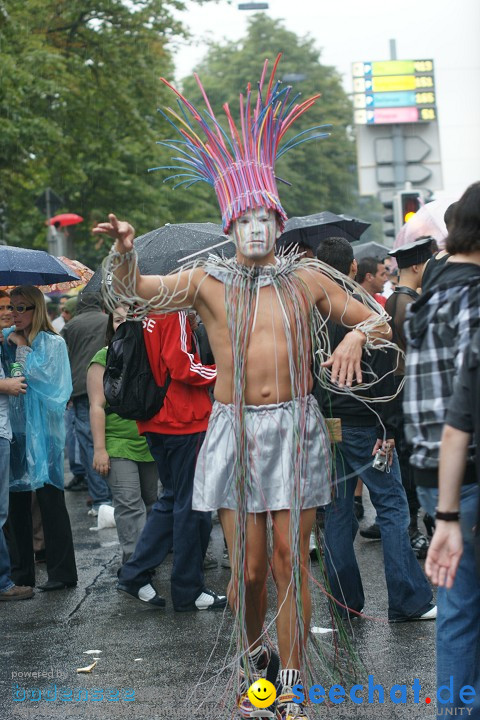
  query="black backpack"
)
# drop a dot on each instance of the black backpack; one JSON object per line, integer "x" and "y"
{"x": 129, "y": 386}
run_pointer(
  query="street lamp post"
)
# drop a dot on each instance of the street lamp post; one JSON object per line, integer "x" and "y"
{"x": 253, "y": 6}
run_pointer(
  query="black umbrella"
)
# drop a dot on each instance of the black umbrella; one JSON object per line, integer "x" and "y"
{"x": 371, "y": 249}
{"x": 165, "y": 249}
{"x": 311, "y": 229}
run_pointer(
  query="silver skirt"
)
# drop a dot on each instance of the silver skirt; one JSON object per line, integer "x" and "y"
{"x": 274, "y": 433}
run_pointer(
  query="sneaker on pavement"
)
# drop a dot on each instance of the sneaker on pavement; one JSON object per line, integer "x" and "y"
{"x": 429, "y": 614}
{"x": 266, "y": 665}
{"x": 419, "y": 543}
{"x": 225, "y": 559}
{"x": 77, "y": 484}
{"x": 207, "y": 600}
{"x": 312, "y": 547}
{"x": 372, "y": 532}
{"x": 17, "y": 592}
{"x": 93, "y": 512}
{"x": 146, "y": 594}
{"x": 209, "y": 562}
{"x": 287, "y": 709}
{"x": 358, "y": 507}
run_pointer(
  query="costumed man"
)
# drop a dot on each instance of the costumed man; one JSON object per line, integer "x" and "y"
{"x": 267, "y": 450}
{"x": 411, "y": 260}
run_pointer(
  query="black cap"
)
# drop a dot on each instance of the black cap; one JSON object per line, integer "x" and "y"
{"x": 414, "y": 253}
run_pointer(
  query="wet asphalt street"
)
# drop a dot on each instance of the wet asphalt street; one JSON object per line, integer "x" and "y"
{"x": 157, "y": 657}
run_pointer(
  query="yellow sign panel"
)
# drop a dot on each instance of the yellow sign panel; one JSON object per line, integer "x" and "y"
{"x": 393, "y": 67}
{"x": 393, "y": 82}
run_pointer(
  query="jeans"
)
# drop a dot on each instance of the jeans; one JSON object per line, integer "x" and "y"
{"x": 409, "y": 592}
{"x": 134, "y": 487}
{"x": 172, "y": 522}
{"x": 73, "y": 446}
{"x": 97, "y": 485}
{"x": 5, "y": 581}
{"x": 458, "y": 621}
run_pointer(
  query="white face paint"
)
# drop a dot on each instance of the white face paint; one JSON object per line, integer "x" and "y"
{"x": 254, "y": 233}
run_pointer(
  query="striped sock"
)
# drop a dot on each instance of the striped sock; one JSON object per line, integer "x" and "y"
{"x": 255, "y": 654}
{"x": 289, "y": 678}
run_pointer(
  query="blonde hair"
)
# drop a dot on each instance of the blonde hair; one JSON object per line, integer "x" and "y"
{"x": 40, "y": 321}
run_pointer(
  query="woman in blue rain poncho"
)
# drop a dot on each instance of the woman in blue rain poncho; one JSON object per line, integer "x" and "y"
{"x": 38, "y": 442}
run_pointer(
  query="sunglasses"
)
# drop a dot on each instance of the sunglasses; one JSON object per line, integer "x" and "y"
{"x": 20, "y": 308}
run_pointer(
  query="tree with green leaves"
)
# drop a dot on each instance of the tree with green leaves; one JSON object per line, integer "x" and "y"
{"x": 78, "y": 98}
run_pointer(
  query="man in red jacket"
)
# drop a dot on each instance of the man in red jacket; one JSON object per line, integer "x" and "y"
{"x": 174, "y": 436}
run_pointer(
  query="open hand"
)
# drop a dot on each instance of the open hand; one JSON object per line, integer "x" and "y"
{"x": 345, "y": 361}
{"x": 444, "y": 553}
{"x": 120, "y": 230}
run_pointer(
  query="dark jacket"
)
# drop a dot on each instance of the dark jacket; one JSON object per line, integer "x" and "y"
{"x": 85, "y": 336}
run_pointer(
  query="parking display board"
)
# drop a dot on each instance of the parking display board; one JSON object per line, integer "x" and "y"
{"x": 393, "y": 91}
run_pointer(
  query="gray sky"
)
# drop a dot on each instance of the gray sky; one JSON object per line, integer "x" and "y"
{"x": 350, "y": 30}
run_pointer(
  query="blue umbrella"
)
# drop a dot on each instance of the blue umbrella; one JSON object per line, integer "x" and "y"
{"x": 20, "y": 266}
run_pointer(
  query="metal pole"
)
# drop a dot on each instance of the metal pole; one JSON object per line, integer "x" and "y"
{"x": 51, "y": 232}
{"x": 399, "y": 158}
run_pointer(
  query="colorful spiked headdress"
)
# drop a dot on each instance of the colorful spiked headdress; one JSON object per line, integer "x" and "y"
{"x": 241, "y": 168}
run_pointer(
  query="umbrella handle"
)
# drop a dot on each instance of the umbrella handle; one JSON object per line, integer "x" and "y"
{"x": 201, "y": 252}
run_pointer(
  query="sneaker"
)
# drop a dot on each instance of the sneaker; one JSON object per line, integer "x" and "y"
{"x": 146, "y": 594}
{"x": 358, "y": 507}
{"x": 265, "y": 666}
{"x": 225, "y": 559}
{"x": 207, "y": 600}
{"x": 209, "y": 562}
{"x": 419, "y": 543}
{"x": 429, "y": 614}
{"x": 17, "y": 592}
{"x": 287, "y": 709}
{"x": 372, "y": 532}
{"x": 312, "y": 547}
{"x": 93, "y": 512}
{"x": 77, "y": 484}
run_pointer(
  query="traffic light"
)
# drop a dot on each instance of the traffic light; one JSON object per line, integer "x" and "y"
{"x": 407, "y": 202}
{"x": 389, "y": 219}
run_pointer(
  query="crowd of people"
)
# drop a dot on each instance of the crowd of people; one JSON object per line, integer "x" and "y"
{"x": 307, "y": 396}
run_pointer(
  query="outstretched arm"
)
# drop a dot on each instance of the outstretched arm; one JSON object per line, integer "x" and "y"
{"x": 176, "y": 291}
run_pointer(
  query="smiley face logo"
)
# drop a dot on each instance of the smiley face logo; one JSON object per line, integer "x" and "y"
{"x": 262, "y": 693}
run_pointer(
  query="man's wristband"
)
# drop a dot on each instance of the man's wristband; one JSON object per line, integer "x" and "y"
{"x": 447, "y": 516}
